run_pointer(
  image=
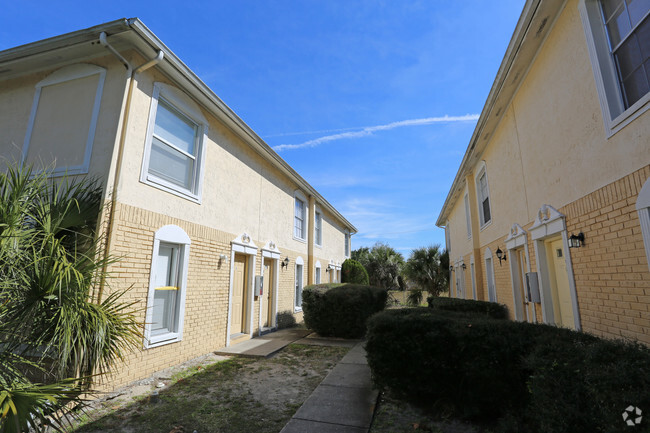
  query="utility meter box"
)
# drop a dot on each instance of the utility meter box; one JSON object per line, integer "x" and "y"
{"x": 259, "y": 285}
{"x": 532, "y": 287}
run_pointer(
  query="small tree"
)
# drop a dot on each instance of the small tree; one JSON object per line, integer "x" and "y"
{"x": 382, "y": 263}
{"x": 353, "y": 272}
{"x": 50, "y": 322}
{"x": 427, "y": 269}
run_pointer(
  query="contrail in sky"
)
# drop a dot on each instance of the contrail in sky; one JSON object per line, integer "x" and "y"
{"x": 368, "y": 130}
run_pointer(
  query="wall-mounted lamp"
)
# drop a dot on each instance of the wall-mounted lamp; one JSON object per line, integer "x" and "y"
{"x": 223, "y": 258}
{"x": 576, "y": 241}
{"x": 285, "y": 263}
{"x": 501, "y": 255}
{"x": 464, "y": 266}
{"x": 451, "y": 268}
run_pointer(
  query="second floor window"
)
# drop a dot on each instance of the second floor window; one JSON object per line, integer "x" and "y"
{"x": 628, "y": 31}
{"x": 299, "y": 219}
{"x": 484, "y": 199}
{"x": 318, "y": 228}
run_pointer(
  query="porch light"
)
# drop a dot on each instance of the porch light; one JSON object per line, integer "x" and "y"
{"x": 464, "y": 266}
{"x": 501, "y": 255}
{"x": 285, "y": 263}
{"x": 576, "y": 241}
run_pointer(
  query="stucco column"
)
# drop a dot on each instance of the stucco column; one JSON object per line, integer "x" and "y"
{"x": 310, "y": 240}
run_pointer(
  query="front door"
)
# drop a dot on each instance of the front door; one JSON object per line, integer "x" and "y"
{"x": 267, "y": 302}
{"x": 238, "y": 317}
{"x": 562, "y": 305}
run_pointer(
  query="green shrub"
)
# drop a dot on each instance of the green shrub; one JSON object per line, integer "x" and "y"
{"x": 341, "y": 310}
{"x": 527, "y": 377}
{"x": 586, "y": 387}
{"x": 490, "y": 309}
{"x": 285, "y": 319}
{"x": 353, "y": 272}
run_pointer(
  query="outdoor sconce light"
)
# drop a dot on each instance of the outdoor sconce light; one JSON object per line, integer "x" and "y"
{"x": 464, "y": 266}
{"x": 576, "y": 241}
{"x": 501, "y": 255}
{"x": 223, "y": 258}
{"x": 451, "y": 268}
{"x": 285, "y": 263}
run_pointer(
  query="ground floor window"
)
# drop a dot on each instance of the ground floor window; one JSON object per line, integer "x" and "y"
{"x": 166, "y": 298}
{"x": 298, "y": 284}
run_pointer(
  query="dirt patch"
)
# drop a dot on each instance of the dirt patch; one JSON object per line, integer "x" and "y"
{"x": 217, "y": 394}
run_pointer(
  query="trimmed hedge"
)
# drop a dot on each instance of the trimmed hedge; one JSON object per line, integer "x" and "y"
{"x": 490, "y": 309}
{"x": 354, "y": 272}
{"x": 527, "y": 377}
{"x": 341, "y": 310}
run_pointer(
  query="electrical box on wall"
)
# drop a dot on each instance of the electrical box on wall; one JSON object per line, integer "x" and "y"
{"x": 259, "y": 285}
{"x": 532, "y": 287}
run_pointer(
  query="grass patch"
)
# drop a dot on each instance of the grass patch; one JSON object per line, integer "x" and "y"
{"x": 236, "y": 395}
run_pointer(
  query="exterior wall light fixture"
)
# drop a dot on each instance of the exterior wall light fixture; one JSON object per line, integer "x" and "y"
{"x": 576, "y": 241}
{"x": 464, "y": 266}
{"x": 501, "y": 255}
{"x": 285, "y": 263}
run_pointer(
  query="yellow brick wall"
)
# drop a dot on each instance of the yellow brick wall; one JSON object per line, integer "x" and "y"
{"x": 611, "y": 269}
{"x": 208, "y": 285}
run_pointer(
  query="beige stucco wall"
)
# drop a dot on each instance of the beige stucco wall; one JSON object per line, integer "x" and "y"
{"x": 241, "y": 191}
{"x": 17, "y": 98}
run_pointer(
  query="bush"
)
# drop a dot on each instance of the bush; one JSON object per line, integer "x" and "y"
{"x": 354, "y": 272}
{"x": 586, "y": 387}
{"x": 285, "y": 320}
{"x": 528, "y": 377}
{"x": 341, "y": 310}
{"x": 489, "y": 309}
{"x": 414, "y": 297}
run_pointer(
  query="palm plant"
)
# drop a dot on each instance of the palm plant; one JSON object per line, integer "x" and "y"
{"x": 49, "y": 266}
{"x": 384, "y": 266}
{"x": 426, "y": 269}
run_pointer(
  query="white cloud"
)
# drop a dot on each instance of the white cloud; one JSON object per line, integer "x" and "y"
{"x": 368, "y": 130}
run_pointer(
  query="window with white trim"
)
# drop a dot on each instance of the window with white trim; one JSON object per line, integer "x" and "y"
{"x": 347, "y": 243}
{"x": 63, "y": 119}
{"x": 299, "y": 218}
{"x": 298, "y": 284}
{"x": 173, "y": 158}
{"x": 167, "y": 287}
{"x": 618, "y": 38}
{"x": 643, "y": 209}
{"x": 317, "y": 272}
{"x": 318, "y": 228}
{"x": 483, "y": 194}
{"x": 468, "y": 218}
{"x": 489, "y": 271}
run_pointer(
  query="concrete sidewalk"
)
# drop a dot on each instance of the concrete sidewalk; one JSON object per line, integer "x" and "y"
{"x": 343, "y": 403}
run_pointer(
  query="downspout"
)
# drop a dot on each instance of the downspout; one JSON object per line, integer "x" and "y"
{"x": 120, "y": 153}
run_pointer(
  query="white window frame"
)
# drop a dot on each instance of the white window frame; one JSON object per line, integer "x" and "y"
{"x": 643, "y": 209}
{"x": 297, "y": 195}
{"x": 473, "y": 275}
{"x": 490, "y": 278}
{"x": 318, "y": 228}
{"x": 468, "y": 216}
{"x": 479, "y": 196}
{"x": 317, "y": 273}
{"x": 610, "y": 95}
{"x": 347, "y": 247}
{"x": 299, "y": 283}
{"x": 180, "y": 102}
{"x": 69, "y": 73}
{"x": 169, "y": 234}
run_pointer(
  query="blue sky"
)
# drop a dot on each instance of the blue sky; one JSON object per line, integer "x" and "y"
{"x": 372, "y": 102}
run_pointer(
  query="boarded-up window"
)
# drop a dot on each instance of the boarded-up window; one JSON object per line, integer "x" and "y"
{"x": 62, "y": 123}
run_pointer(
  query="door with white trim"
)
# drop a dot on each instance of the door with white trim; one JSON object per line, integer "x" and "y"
{"x": 560, "y": 289}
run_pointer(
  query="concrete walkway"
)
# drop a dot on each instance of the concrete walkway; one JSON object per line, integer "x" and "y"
{"x": 344, "y": 402}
